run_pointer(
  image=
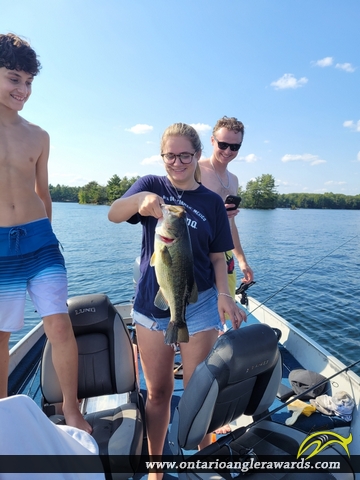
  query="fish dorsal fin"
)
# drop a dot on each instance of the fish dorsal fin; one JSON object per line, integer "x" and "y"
{"x": 160, "y": 301}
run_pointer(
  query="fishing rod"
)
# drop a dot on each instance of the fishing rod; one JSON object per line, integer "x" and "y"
{"x": 242, "y": 289}
{"x": 235, "y": 434}
{"x": 244, "y": 286}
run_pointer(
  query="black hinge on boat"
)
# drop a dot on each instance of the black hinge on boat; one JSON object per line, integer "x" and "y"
{"x": 242, "y": 291}
{"x": 242, "y": 455}
{"x": 49, "y": 410}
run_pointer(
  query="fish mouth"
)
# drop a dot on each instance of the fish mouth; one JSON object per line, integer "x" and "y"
{"x": 166, "y": 239}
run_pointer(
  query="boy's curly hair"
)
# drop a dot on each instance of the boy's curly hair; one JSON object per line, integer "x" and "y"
{"x": 16, "y": 54}
{"x": 231, "y": 123}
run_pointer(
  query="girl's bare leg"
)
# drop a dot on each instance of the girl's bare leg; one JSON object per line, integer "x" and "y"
{"x": 157, "y": 360}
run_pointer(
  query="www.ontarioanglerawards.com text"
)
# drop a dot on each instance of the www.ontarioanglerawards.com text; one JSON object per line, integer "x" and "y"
{"x": 241, "y": 466}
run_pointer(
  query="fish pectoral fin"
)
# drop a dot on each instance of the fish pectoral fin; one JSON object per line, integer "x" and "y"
{"x": 194, "y": 294}
{"x": 152, "y": 260}
{"x": 160, "y": 301}
{"x": 165, "y": 256}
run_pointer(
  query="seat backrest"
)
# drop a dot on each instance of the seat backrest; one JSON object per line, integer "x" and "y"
{"x": 106, "y": 357}
{"x": 241, "y": 375}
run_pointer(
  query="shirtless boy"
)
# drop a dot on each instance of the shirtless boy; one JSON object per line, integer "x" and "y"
{"x": 29, "y": 253}
{"x": 226, "y": 141}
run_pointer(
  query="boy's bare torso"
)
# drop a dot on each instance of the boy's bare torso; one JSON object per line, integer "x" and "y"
{"x": 211, "y": 181}
{"x": 24, "y": 149}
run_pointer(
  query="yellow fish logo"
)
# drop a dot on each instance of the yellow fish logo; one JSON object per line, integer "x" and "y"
{"x": 322, "y": 440}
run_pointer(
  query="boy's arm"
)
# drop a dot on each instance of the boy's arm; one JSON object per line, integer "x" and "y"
{"x": 239, "y": 253}
{"x": 238, "y": 250}
{"x": 41, "y": 176}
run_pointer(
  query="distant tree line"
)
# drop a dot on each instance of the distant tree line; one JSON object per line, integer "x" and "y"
{"x": 259, "y": 193}
{"x": 319, "y": 200}
{"x": 93, "y": 192}
{"x": 262, "y": 193}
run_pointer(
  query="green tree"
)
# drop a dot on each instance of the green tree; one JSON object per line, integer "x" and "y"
{"x": 318, "y": 200}
{"x": 261, "y": 192}
{"x": 93, "y": 193}
{"x": 116, "y": 186}
{"x": 113, "y": 188}
{"x": 64, "y": 193}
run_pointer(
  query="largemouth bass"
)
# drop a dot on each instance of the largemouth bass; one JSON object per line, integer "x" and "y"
{"x": 174, "y": 269}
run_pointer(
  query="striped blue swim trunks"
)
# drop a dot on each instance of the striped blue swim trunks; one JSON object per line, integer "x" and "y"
{"x": 30, "y": 260}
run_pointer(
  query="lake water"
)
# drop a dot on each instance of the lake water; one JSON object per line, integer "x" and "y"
{"x": 280, "y": 245}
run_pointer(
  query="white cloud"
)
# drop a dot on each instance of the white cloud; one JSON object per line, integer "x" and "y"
{"x": 358, "y": 156}
{"x": 282, "y": 183}
{"x": 317, "y": 161}
{"x": 201, "y": 128}
{"x": 355, "y": 127}
{"x": 347, "y": 67}
{"x": 251, "y": 158}
{"x": 333, "y": 182}
{"x": 289, "y": 81}
{"x": 140, "y": 128}
{"x": 306, "y": 157}
{"x": 324, "y": 62}
{"x": 153, "y": 160}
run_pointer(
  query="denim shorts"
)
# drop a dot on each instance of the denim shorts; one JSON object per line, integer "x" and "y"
{"x": 200, "y": 316}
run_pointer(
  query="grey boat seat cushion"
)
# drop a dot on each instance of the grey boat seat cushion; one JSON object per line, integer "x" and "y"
{"x": 106, "y": 367}
{"x": 240, "y": 376}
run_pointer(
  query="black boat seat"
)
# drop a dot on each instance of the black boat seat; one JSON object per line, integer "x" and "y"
{"x": 106, "y": 368}
{"x": 240, "y": 376}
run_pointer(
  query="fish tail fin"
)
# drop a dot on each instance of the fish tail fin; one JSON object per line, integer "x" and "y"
{"x": 176, "y": 334}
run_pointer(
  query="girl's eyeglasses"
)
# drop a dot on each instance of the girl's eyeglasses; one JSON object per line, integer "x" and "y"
{"x": 170, "y": 158}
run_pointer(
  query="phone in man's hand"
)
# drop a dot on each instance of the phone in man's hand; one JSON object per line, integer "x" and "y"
{"x": 233, "y": 199}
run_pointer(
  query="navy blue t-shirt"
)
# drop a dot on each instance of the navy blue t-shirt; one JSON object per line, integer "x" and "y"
{"x": 209, "y": 232}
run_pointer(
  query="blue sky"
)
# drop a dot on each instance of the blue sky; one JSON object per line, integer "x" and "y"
{"x": 117, "y": 73}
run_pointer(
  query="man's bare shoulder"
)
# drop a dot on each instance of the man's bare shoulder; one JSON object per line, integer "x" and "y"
{"x": 234, "y": 183}
{"x": 34, "y": 129}
{"x": 36, "y": 138}
{"x": 233, "y": 177}
{"x": 26, "y": 144}
{"x": 204, "y": 163}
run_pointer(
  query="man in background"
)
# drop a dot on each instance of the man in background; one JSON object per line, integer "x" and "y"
{"x": 226, "y": 140}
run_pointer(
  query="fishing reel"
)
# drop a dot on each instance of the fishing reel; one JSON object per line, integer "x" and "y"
{"x": 242, "y": 291}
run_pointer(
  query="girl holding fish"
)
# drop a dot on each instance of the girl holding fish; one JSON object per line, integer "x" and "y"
{"x": 210, "y": 236}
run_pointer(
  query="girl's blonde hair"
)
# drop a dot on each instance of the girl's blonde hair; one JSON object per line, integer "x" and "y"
{"x": 184, "y": 130}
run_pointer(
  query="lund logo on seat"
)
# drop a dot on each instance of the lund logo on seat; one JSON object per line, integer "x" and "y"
{"x": 262, "y": 364}
{"x": 85, "y": 310}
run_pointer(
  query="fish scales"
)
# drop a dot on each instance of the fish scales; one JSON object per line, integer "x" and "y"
{"x": 174, "y": 269}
